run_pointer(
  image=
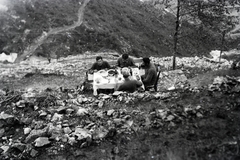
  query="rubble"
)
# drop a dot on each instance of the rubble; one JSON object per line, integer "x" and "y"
{"x": 56, "y": 119}
{"x": 225, "y": 84}
{"x": 41, "y": 141}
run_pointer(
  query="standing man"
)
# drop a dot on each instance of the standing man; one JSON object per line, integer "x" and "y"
{"x": 125, "y": 61}
{"x": 150, "y": 76}
{"x": 100, "y": 64}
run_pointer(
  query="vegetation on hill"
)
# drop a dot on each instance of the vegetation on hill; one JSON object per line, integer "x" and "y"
{"x": 124, "y": 26}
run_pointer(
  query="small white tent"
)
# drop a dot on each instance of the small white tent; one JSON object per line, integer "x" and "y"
{"x": 9, "y": 58}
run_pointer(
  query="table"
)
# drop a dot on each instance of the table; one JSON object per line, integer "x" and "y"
{"x": 102, "y": 80}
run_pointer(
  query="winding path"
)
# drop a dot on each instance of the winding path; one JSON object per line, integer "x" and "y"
{"x": 40, "y": 40}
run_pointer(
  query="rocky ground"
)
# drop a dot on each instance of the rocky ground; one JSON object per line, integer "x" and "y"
{"x": 194, "y": 115}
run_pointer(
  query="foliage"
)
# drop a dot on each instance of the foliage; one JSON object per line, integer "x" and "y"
{"x": 124, "y": 26}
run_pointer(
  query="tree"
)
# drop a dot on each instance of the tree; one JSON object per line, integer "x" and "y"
{"x": 211, "y": 14}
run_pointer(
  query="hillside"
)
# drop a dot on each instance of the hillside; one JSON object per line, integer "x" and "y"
{"x": 124, "y": 26}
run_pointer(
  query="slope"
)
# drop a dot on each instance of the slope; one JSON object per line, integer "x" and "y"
{"x": 124, "y": 26}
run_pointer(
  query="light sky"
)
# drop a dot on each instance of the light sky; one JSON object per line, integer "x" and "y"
{"x": 3, "y": 6}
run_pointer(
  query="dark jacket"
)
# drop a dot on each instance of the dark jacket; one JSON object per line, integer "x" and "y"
{"x": 96, "y": 66}
{"x": 125, "y": 63}
{"x": 150, "y": 76}
{"x": 129, "y": 85}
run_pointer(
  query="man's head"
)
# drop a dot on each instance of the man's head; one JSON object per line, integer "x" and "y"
{"x": 125, "y": 72}
{"x": 125, "y": 56}
{"x": 146, "y": 61}
{"x": 99, "y": 60}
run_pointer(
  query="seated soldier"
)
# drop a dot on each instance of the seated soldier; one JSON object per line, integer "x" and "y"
{"x": 129, "y": 85}
{"x": 150, "y": 76}
{"x": 125, "y": 61}
{"x": 100, "y": 64}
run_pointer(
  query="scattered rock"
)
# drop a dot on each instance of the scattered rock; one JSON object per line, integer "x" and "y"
{"x": 199, "y": 115}
{"x": 106, "y": 97}
{"x": 5, "y": 116}
{"x": 81, "y": 133}
{"x": 61, "y": 110}
{"x": 35, "y": 134}
{"x": 67, "y": 130}
{"x": 117, "y": 93}
{"x": 170, "y": 118}
{"x": 2, "y": 131}
{"x": 110, "y": 112}
{"x": 71, "y": 140}
{"x": 56, "y": 117}
{"x": 42, "y": 114}
{"x": 20, "y": 146}
{"x": 81, "y": 111}
{"x": 21, "y": 103}
{"x": 69, "y": 110}
{"x": 26, "y": 130}
{"x": 33, "y": 153}
{"x": 5, "y": 148}
{"x": 41, "y": 141}
{"x": 100, "y": 104}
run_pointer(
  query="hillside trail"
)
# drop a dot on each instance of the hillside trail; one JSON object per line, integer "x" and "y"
{"x": 40, "y": 40}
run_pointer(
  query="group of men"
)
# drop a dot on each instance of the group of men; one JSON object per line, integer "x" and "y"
{"x": 130, "y": 85}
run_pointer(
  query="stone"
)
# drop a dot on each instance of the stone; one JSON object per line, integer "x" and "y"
{"x": 100, "y": 104}
{"x": 71, "y": 140}
{"x": 20, "y": 146}
{"x": 2, "y": 92}
{"x": 43, "y": 114}
{"x": 65, "y": 138}
{"x": 35, "y": 134}
{"x": 67, "y": 130}
{"x": 26, "y": 130}
{"x": 70, "y": 96}
{"x": 41, "y": 141}
{"x": 69, "y": 110}
{"x": 81, "y": 112}
{"x": 65, "y": 125}
{"x": 5, "y": 148}
{"x": 33, "y": 153}
{"x": 106, "y": 97}
{"x": 61, "y": 110}
{"x": 199, "y": 115}
{"x": 57, "y": 117}
{"x": 117, "y": 93}
{"x": 170, "y": 118}
{"x": 7, "y": 119}
{"x": 100, "y": 114}
{"x": 81, "y": 133}
{"x": 140, "y": 96}
{"x": 2, "y": 131}
{"x": 110, "y": 112}
{"x": 100, "y": 133}
{"x": 21, "y": 103}
{"x": 5, "y": 116}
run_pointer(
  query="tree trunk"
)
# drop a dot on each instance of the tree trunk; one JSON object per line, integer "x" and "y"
{"x": 222, "y": 45}
{"x": 176, "y": 35}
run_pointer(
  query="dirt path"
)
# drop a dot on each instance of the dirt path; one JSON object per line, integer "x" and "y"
{"x": 40, "y": 40}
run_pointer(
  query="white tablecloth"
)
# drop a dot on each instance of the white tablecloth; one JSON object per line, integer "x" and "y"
{"x": 101, "y": 79}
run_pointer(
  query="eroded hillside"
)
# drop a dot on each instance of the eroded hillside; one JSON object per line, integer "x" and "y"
{"x": 123, "y": 26}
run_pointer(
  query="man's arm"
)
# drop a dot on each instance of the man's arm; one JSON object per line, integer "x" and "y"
{"x": 108, "y": 65}
{"x": 118, "y": 62}
{"x": 93, "y": 66}
{"x": 132, "y": 62}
